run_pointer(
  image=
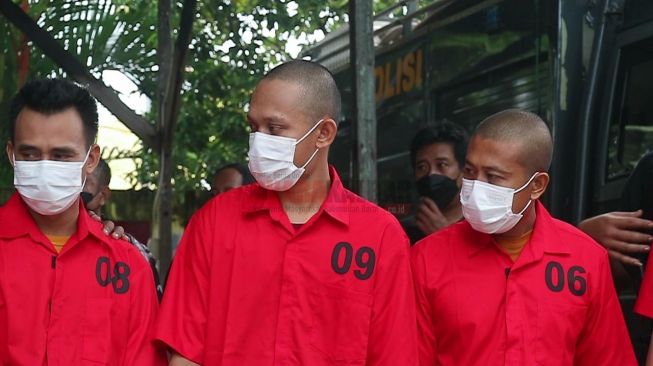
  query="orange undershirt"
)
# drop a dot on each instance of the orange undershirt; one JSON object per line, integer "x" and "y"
{"x": 514, "y": 246}
{"x": 58, "y": 241}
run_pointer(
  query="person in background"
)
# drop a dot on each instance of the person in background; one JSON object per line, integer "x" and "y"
{"x": 437, "y": 155}
{"x": 96, "y": 191}
{"x": 69, "y": 294}
{"x": 627, "y": 234}
{"x": 511, "y": 285}
{"x": 96, "y": 194}
{"x": 229, "y": 177}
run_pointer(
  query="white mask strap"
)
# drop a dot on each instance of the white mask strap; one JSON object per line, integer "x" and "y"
{"x": 520, "y": 189}
{"x": 309, "y": 159}
{"x": 525, "y": 208}
{"x": 527, "y": 183}
{"x": 309, "y": 131}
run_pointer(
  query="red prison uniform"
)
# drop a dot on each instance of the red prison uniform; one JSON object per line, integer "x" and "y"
{"x": 644, "y": 304}
{"x": 247, "y": 289}
{"x": 555, "y": 305}
{"x": 93, "y": 304}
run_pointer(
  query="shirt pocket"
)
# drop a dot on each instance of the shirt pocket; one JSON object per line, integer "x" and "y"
{"x": 340, "y": 324}
{"x": 558, "y": 328}
{"x": 96, "y": 331}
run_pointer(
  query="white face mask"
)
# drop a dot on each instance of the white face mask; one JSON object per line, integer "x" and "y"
{"x": 49, "y": 187}
{"x": 488, "y": 207}
{"x": 272, "y": 160}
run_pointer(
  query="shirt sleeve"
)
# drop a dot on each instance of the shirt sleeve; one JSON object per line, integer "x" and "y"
{"x": 604, "y": 339}
{"x": 426, "y": 341}
{"x": 141, "y": 350}
{"x": 182, "y": 319}
{"x": 392, "y": 339}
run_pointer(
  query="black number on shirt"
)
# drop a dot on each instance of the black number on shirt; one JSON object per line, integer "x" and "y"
{"x": 560, "y": 277}
{"x": 342, "y": 256}
{"x": 103, "y": 271}
{"x": 366, "y": 259}
{"x": 119, "y": 282}
{"x": 122, "y": 277}
{"x": 577, "y": 284}
{"x": 335, "y": 258}
{"x": 556, "y": 282}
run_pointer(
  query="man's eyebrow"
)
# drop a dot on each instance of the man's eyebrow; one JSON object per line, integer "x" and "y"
{"x": 496, "y": 170}
{"x": 64, "y": 150}
{"x": 269, "y": 119}
{"x": 25, "y": 147}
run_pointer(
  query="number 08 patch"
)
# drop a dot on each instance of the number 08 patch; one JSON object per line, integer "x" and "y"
{"x": 343, "y": 255}
{"x": 118, "y": 276}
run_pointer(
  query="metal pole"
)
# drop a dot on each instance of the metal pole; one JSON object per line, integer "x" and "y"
{"x": 362, "y": 65}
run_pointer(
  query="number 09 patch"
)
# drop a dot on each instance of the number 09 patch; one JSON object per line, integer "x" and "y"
{"x": 343, "y": 254}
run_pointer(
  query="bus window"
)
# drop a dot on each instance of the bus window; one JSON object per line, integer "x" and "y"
{"x": 631, "y": 128}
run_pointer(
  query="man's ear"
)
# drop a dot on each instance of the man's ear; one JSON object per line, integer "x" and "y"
{"x": 327, "y": 133}
{"x": 540, "y": 183}
{"x": 10, "y": 152}
{"x": 93, "y": 159}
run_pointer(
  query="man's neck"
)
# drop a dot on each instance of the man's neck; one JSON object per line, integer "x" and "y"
{"x": 454, "y": 211}
{"x": 304, "y": 199}
{"x": 526, "y": 224}
{"x": 62, "y": 224}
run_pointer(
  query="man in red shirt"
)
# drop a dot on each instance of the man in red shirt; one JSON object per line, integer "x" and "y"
{"x": 69, "y": 294}
{"x": 294, "y": 270}
{"x": 511, "y": 285}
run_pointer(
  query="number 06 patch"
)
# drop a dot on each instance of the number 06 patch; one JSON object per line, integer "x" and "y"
{"x": 343, "y": 255}
{"x": 555, "y": 274}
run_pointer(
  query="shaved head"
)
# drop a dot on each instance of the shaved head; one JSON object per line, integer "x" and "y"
{"x": 321, "y": 97}
{"x": 524, "y": 128}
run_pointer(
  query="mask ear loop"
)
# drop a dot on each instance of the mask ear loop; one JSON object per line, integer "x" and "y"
{"x": 309, "y": 131}
{"x": 521, "y": 189}
{"x": 302, "y": 139}
{"x": 88, "y": 153}
{"x": 311, "y": 158}
{"x": 527, "y": 183}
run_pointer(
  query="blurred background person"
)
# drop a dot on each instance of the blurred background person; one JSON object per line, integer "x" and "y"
{"x": 229, "y": 177}
{"x": 96, "y": 191}
{"x": 627, "y": 235}
{"x": 438, "y": 156}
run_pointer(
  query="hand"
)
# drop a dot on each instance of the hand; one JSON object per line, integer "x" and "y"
{"x": 429, "y": 218}
{"x": 621, "y": 233}
{"x": 117, "y": 232}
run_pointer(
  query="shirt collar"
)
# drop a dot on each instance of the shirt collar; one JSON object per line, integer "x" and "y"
{"x": 545, "y": 237}
{"x": 16, "y": 221}
{"x": 335, "y": 205}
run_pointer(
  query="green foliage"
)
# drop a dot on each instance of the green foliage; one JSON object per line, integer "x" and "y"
{"x": 234, "y": 43}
